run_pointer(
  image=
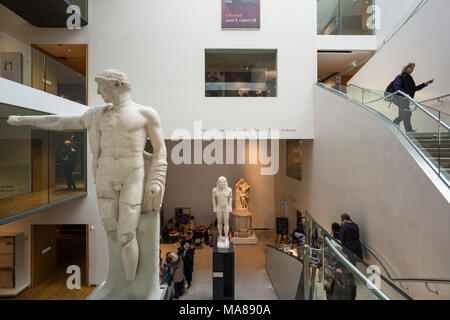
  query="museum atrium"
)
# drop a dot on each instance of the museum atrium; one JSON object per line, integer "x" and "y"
{"x": 287, "y": 155}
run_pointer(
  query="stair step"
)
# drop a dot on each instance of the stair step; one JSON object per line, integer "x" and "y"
{"x": 445, "y": 144}
{"x": 427, "y": 136}
{"x": 436, "y": 152}
{"x": 444, "y": 162}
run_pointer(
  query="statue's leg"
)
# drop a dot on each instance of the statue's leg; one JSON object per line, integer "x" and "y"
{"x": 130, "y": 206}
{"x": 219, "y": 220}
{"x": 108, "y": 207}
{"x": 226, "y": 217}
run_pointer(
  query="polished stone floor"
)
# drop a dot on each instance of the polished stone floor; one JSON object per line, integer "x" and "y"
{"x": 251, "y": 280}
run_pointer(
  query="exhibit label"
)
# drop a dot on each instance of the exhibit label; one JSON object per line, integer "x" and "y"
{"x": 241, "y": 14}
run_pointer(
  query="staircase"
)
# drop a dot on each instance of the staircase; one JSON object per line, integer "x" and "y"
{"x": 438, "y": 152}
{"x": 431, "y": 138}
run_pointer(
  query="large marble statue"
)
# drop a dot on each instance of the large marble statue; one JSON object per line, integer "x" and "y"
{"x": 129, "y": 182}
{"x": 222, "y": 201}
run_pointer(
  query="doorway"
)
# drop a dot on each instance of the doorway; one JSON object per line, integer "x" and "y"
{"x": 53, "y": 249}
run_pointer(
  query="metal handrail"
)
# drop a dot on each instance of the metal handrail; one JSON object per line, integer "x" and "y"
{"x": 417, "y": 104}
{"x": 437, "y": 98}
{"x": 380, "y": 295}
{"x": 408, "y": 138}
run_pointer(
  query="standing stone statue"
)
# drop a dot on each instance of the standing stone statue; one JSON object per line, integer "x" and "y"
{"x": 222, "y": 198}
{"x": 241, "y": 216}
{"x": 242, "y": 193}
{"x": 130, "y": 183}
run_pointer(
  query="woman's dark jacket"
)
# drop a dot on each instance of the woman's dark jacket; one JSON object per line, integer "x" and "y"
{"x": 349, "y": 237}
{"x": 406, "y": 84}
{"x": 188, "y": 260}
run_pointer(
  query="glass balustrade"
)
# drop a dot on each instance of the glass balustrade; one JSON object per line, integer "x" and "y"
{"x": 426, "y": 128}
{"x": 332, "y": 272}
{"x": 38, "y": 167}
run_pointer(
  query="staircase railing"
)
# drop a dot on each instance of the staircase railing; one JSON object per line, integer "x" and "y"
{"x": 332, "y": 261}
{"x": 390, "y": 96}
{"x": 430, "y": 140}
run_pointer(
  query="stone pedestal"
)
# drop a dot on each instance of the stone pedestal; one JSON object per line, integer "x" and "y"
{"x": 242, "y": 227}
{"x": 223, "y": 274}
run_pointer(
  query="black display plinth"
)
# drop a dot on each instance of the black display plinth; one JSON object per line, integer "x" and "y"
{"x": 223, "y": 274}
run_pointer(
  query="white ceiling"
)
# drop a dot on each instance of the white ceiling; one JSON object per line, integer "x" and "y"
{"x": 331, "y": 62}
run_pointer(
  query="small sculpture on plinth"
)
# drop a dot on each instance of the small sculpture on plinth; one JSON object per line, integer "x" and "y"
{"x": 242, "y": 217}
{"x": 242, "y": 193}
{"x": 222, "y": 201}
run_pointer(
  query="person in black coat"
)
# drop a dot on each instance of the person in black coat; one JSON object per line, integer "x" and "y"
{"x": 69, "y": 163}
{"x": 335, "y": 227}
{"x": 299, "y": 233}
{"x": 405, "y": 83}
{"x": 188, "y": 261}
{"x": 349, "y": 235}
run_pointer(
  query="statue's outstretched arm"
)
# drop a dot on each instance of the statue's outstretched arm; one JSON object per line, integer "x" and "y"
{"x": 52, "y": 122}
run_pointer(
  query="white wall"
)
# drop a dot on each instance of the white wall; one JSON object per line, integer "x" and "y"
{"x": 160, "y": 45}
{"x": 82, "y": 211}
{"x": 357, "y": 165}
{"x": 391, "y": 13}
{"x": 191, "y": 186}
{"x": 9, "y": 44}
{"x": 423, "y": 40}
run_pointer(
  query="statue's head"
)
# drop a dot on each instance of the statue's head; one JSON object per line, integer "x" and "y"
{"x": 222, "y": 183}
{"x": 112, "y": 84}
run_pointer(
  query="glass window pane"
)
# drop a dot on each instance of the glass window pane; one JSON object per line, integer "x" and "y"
{"x": 23, "y": 165}
{"x": 240, "y": 73}
{"x": 67, "y": 165}
{"x": 38, "y": 167}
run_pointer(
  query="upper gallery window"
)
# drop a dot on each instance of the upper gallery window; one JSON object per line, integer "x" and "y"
{"x": 38, "y": 167}
{"x": 240, "y": 73}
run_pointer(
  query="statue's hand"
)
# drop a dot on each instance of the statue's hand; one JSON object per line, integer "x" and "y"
{"x": 215, "y": 210}
{"x": 230, "y": 209}
{"x": 153, "y": 198}
{"x": 14, "y": 120}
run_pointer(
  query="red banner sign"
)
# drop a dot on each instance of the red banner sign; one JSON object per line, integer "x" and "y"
{"x": 241, "y": 14}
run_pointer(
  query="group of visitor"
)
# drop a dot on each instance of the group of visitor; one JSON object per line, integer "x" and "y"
{"x": 177, "y": 269}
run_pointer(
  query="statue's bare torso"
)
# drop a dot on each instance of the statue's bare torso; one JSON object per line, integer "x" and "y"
{"x": 131, "y": 139}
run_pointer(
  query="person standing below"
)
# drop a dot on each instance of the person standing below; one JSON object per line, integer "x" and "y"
{"x": 176, "y": 270}
{"x": 188, "y": 262}
{"x": 69, "y": 162}
{"x": 299, "y": 233}
{"x": 405, "y": 83}
{"x": 349, "y": 235}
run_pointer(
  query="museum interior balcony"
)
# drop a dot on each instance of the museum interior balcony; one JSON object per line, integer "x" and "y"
{"x": 36, "y": 172}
